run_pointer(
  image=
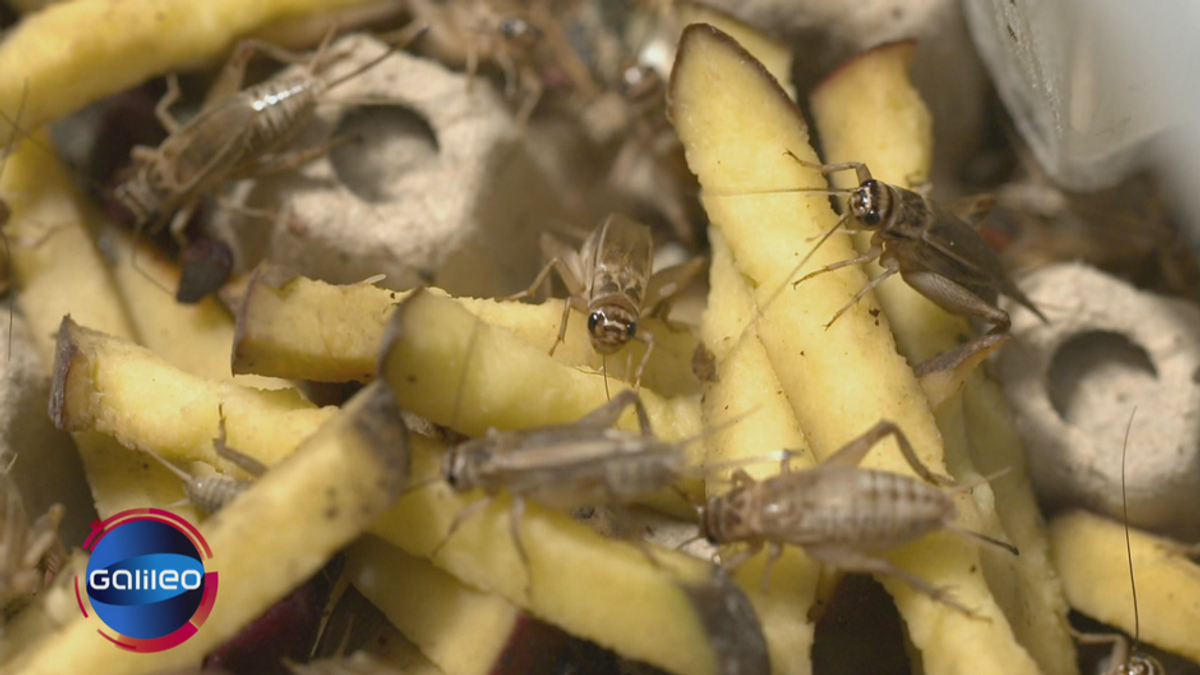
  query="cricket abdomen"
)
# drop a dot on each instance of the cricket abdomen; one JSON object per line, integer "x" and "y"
{"x": 868, "y": 510}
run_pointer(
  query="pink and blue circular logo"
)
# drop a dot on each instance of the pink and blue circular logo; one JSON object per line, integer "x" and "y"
{"x": 146, "y": 579}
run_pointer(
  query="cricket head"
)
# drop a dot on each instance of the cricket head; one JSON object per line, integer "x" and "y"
{"x": 519, "y": 32}
{"x": 870, "y": 204}
{"x": 139, "y": 196}
{"x": 611, "y": 328}
{"x": 1142, "y": 664}
{"x": 460, "y": 461}
{"x": 721, "y": 518}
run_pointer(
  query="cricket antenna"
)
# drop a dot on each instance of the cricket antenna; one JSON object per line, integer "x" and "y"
{"x": 1137, "y": 622}
{"x": 604, "y": 372}
{"x": 762, "y": 310}
{"x": 462, "y": 375}
{"x": 1136, "y": 663}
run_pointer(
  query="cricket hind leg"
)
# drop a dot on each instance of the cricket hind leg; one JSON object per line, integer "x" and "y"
{"x": 860, "y": 170}
{"x": 464, "y": 514}
{"x": 852, "y": 454}
{"x": 851, "y": 560}
{"x": 608, "y": 414}
{"x": 957, "y": 299}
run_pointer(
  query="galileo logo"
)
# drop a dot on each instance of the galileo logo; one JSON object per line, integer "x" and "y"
{"x": 146, "y": 579}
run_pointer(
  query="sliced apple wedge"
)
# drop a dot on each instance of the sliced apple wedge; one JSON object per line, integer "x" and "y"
{"x": 461, "y": 630}
{"x": 459, "y": 370}
{"x": 746, "y": 381}
{"x": 64, "y": 273}
{"x": 271, "y": 538}
{"x": 193, "y": 337}
{"x": 112, "y": 386}
{"x": 307, "y": 329}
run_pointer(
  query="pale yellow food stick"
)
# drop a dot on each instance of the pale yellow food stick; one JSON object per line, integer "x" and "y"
{"x": 309, "y": 329}
{"x": 462, "y": 630}
{"x": 108, "y": 385}
{"x": 459, "y": 370}
{"x": 196, "y": 337}
{"x": 673, "y": 614}
{"x": 746, "y": 381}
{"x": 271, "y": 538}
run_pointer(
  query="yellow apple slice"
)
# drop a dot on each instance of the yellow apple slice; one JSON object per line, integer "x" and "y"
{"x": 271, "y": 538}
{"x": 112, "y": 386}
{"x": 63, "y": 273}
{"x": 678, "y": 613}
{"x": 745, "y": 381}
{"x": 461, "y": 630}
{"x": 307, "y": 329}
{"x": 73, "y": 53}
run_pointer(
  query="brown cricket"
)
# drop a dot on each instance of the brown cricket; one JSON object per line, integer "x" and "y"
{"x": 236, "y": 135}
{"x": 840, "y": 514}
{"x": 523, "y": 39}
{"x": 29, "y": 553}
{"x": 935, "y": 251}
{"x": 586, "y": 463}
{"x": 212, "y": 493}
{"x": 609, "y": 279}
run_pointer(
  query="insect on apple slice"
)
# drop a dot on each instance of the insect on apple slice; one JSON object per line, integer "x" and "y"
{"x": 869, "y": 111}
{"x": 679, "y": 613}
{"x": 308, "y": 329}
{"x": 736, "y": 123}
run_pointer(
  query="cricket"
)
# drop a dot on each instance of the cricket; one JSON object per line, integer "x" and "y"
{"x": 609, "y": 279}
{"x": 840, "y": 514}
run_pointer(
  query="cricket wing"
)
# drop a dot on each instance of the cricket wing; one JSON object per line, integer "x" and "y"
{"x": 667, "y": 283}
{"x": 570, "y": 264}
{"x": 973, "y": 209}
{"x": 622, "y": 258}
{"x": 209, "y": 148}
{"x": 953, "y": 249}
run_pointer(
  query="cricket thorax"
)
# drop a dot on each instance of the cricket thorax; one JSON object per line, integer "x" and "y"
{"x": 143, "y": 194}
{"x": 872, "y": 204}
{"x": 908, "y": 215}
{"x": 460, "y": 464}
{"x": 730, "y": 517}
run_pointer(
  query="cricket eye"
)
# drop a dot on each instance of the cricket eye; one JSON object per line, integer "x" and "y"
{"x": 632, "y": 329}
{"x": 594, "y": 320}
{"x": 867, "y": 204}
